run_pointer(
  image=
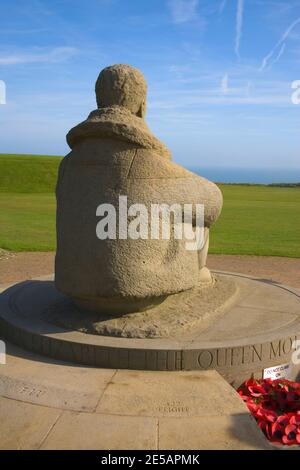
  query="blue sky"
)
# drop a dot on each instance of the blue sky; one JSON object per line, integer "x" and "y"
{"x": 219, "y": 74}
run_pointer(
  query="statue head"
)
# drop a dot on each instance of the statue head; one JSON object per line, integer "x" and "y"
{"x": 122, "y": 85}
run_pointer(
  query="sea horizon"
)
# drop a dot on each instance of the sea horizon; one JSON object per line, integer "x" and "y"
{"x": 227, "y": 174}
{"x": 244, "y": 175}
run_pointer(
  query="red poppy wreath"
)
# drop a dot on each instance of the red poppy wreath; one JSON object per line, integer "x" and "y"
{"x": 275, "y": 404}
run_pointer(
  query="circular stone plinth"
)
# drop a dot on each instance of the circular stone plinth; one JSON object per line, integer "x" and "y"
{"x": 252, "y": 328}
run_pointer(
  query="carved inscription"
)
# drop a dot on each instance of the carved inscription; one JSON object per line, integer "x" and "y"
{"x": 173, "y": 407}
{"x": 244, "y": 355}
{"x": 31, "y": 391}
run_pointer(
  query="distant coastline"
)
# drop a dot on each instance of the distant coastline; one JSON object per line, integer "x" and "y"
{"x": 285, "y": 177}
{"x": 45, "y": 168}
{"x": 273, "y": 185}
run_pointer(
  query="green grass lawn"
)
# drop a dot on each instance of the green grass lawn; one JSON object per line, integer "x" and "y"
{"x": 256, "y": 220}
{"x": 27, "y": 221}
{"x": 28, "y": 173}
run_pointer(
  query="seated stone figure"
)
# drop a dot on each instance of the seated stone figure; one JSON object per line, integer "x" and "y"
{"x": 114, "y": 154}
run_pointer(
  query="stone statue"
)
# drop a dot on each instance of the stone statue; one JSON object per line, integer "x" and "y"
{"x": 114, "y": 154}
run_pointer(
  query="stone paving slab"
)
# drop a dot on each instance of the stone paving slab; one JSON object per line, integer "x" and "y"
{"x": 102, "y": 432}
{"x": 31, "y": 378}
{"x": 169, "y": 394}
{"x": 37, "y": 393}
{"x": 237, "y": 432}
{"x": 118, "y": 409}
{"x": 24, "y": 426}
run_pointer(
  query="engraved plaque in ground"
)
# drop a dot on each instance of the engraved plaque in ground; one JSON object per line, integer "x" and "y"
{"x": 180, "y": 315}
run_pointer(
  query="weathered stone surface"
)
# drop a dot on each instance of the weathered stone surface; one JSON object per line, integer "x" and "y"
{"x": 114, "y": 154}
{"x": 175, "y": 394}
{"x": 30, "y": 378}
{"x": 195, "y": 310}
{"x": 24, "y": 426}
{"x": 84, "y": 431}
{"x": 121, "y": 85}
{"x": 238, "y": 432}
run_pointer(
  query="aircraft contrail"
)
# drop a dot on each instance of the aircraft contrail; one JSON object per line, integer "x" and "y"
{"x": 279, "y": 43}
{"x": 239, "y": 26}
{"x": 279, "y": 53}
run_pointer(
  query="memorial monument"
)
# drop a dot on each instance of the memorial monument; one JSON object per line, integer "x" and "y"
{"x": 114, "y": 154}
{"x": 127, "y": 294}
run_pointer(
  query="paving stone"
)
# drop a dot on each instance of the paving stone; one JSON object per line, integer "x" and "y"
{"x": 102, "y": 432}
{"x": 24, "y": 426}
{"x": 238, "y": 432}
{"x": 51, "y": 383}
{"x": 195, "y": 393}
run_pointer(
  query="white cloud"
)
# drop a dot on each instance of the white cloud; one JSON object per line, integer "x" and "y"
{"x": 224, "y": 84}
{"x": 183, "y": 11}
{"x": 58, "y": 54}
{"x": 235, "y": 99}
{"x": 241, "y": 92}
{"x": 2, "y": 92}
{"x": 239, "y": 26}
{"x": 283, "y": 38}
